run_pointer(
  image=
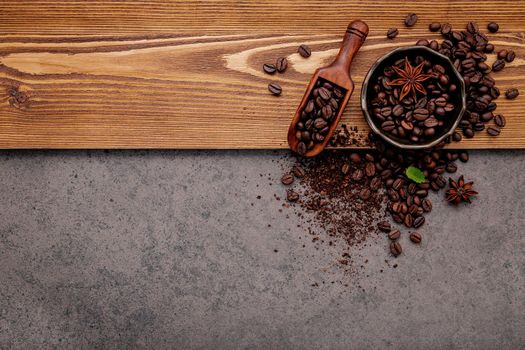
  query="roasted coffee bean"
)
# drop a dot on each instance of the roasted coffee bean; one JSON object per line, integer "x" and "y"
{"x": 393, "y": 195}
{"x": 434, "y": 27}
{"x": 370, "y": 169}
{"x": 422, "y": 42}
{"x": 385, "y": 174}
{"x": 394, "y": 235}
{"x": 446, "y": 28}
{"x": 298, "y": 171}
{"x": 498, "y": 65}
{"x": 287, "y": 179}
{"x": 468, "y": 133}
{"x": 420, "y": 114}
{"x": 355, "y": 158}
{"x": 304, "y": 51}
{"x": 499, "y": 120}
{"x": 493, "y": 131}
{"x": 511, "y": 55}
{"x": 409, "y": 220}
{"x": 320, "y": 123}
{"x": 415, "y": 237}
{"x": 451, "y": 168}
{"x": 493, "y": 27}
{"x": 463, "y": 156}
{"x": 281, "y": 64}
{"x": 456, "y": 136}
{"x": 472, "y": 27}
{"x": 413, "y": 209}
{"x": 392, "y": 33}
{"x": 357, "y": 175}
{"x": 397, "y": 184}
{"x": 427, "y": 205}
{"x": 375, "y": 184}
{"x": 419, "y": 221}
{"x": 410, "y": 19}
{"x": 395, "y": 248}
{"x": 502, "y": 54}
{"x": 269, "y": 68}
{"x": 365, "y": 193}
{"x": 431, "y": 123}
{"x": 388, "y": 125}
{"x": 397, "y": 218}
{"x": 292, "y": 196}
{"x": 324, "y": 93}
{"x": 512, "y": 93}
{"x": 275, "y": 89}
{"x": 384, "y": 226}
{"x": 301, "y": 148}
{"x": 345, "y": 169}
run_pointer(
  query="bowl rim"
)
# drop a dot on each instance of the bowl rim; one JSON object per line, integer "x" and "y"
{"x": 388, "y": 138}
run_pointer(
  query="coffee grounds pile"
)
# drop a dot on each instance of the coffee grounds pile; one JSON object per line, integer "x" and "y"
{"x": 339, "y": 196}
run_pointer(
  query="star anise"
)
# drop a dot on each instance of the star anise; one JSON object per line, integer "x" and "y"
{"x": 411, "y": 79}
{"x": 460, "y": 191}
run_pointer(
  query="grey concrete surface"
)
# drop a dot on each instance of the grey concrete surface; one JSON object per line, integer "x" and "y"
{"x": 163, "y": 249}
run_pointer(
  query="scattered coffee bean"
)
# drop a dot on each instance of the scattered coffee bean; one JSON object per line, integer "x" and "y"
{"x": 493, "y": 131}
{"x": 409, "y": 220}
{"x": 434, "y": 27}
{"x": 355, "y": 158}
{"x": 287, "y": 179}
{"x": 498, "y": 65}
{"x": 392, "y": 33}
{"x": 499, "y": 120}
{"x": 511, "y": 55}
{"x": 384, "y": 226}
{"x": 365, "y": 193}
{"x": 269, "y": 68}
{"x": 502, "y": 54}
{"x": 395, "y": 248}
{"x": 410, "y": 19}
{"x": 281, "y": 64}
{"x": 446, "y": 28}
{"x": 427, "y": 205}
{"x": 298, "y": 171}
{"x": 493, "y": 27}
{"x": 512, "y": 93}
{"x": 463, "y": 156}
{"x": 394, "y": 235}
{"x": 304, "y": 51}
{"x": 292, "y": 196}
{"x": 419, "y": 221}
{"x": 472, "y": 27}
{"x": 275, "y": 89}
{"x": 415, "y": 237}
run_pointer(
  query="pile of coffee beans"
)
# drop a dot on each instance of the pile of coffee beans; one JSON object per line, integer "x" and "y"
{"x": 468, "y": 50}
{"x": 342, "y": 194}
{"x": 417, "y": 117}
{"x": 318, "y": 114}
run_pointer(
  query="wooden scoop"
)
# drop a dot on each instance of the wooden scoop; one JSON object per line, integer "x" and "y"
{"x": 338, "y": 73}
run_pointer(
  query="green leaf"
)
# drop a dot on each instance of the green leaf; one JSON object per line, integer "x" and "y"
{"x": 415, "y": 174}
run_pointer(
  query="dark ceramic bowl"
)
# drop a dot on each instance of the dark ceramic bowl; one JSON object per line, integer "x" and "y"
{"x": 459, "y": 99}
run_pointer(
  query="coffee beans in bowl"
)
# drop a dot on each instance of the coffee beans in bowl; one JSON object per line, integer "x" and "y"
{"x": 413, "y": 97}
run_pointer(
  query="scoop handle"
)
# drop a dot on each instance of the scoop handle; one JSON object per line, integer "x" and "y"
{"x": 355, "y": 36}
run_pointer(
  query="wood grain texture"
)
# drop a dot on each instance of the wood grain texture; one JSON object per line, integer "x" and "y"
{"x": 187, "y": 74}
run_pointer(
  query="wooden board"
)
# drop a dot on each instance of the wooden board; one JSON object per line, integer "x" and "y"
{"x": 187, "y": 74}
